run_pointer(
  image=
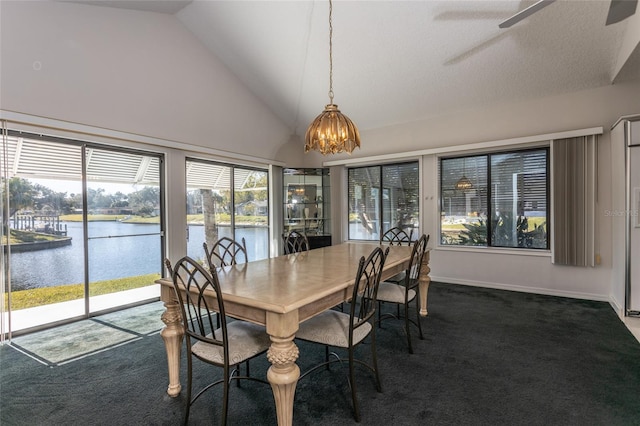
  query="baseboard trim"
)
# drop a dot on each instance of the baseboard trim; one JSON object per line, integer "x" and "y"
{"x": 617, "y": 307}
{"x": 524, "y": 289}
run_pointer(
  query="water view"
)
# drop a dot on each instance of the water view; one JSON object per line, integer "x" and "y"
{"x": 113, "y": 243}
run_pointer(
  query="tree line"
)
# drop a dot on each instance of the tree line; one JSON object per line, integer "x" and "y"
{"x": 26, "y": 195}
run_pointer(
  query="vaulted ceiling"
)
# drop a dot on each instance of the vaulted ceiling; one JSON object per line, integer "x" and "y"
{"x": 401, "y": 61}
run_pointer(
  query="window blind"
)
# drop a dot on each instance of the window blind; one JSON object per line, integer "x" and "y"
{"x": 574, "y": 189}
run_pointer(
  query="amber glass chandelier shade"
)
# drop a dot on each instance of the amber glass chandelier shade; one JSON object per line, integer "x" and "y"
{"x": 332, "y": 132}
{"x": 464, "y": 184}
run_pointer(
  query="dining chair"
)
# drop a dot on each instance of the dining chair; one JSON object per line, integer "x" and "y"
{"x": 227, "y": 345}
{"x": 347, "y": 330}
{"x": 316, "y": 227}
{"x": 295, "y": 242}
{"x": 396, "y": 236}
{"x": 405, "y": 292}
{"x": 225, "y": 252}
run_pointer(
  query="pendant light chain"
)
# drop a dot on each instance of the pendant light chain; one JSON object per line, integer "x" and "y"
{"x": 331, "y": 132}
{"x": 330, "y": 53}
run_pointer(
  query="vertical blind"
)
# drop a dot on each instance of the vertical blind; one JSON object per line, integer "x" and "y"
{"x": 574, "y": 189}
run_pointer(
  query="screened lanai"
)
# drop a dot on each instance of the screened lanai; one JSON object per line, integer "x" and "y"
{"x": 25, "y": 157}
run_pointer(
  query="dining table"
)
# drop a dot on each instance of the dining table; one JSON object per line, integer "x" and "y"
{"x": 279, "y": 293}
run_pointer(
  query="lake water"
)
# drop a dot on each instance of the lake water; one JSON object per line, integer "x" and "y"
{"x": 116, "y": 250}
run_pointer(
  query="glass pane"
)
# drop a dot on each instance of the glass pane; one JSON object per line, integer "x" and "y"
{"x": 324, "y": 205}
{"x": 124, "y": 238}
{"x": 401, "y": 198}
{"x": 519, "y": 197}
{"x": 208, "y": 205}
{"x": 251, "y": 198}
{"x": 211, "y": 213}
{"x": 463, "y": 201}
{"x": 46, "y": 261}
{"x": 364, "y": 203}
{"x": 294, "y": 194}
{"x": 307, "y": 205}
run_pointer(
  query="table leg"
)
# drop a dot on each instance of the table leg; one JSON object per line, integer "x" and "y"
{"x": 284, "y": 372}
{"x": 172, "y": 335}
{"x": 424, "y": 281}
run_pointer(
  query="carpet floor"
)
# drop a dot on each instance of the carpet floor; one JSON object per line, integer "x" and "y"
{"x": 61, "y": 345}
{"x": 489, "y": 357}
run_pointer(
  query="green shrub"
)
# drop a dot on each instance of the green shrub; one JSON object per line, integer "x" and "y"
{"x": 475, "y": 234}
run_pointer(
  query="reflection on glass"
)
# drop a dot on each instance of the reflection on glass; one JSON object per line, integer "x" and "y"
{"x": 227, "y": 201}
{"x": 383, "y": 197}
{"x": 505, "y": 204}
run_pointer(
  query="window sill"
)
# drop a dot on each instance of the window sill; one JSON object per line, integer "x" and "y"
{"x": 496, "y": 250}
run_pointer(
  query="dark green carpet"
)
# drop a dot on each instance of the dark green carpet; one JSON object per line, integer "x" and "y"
{"x": 490, "y": 357}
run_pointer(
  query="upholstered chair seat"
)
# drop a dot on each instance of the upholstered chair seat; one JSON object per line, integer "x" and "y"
{"x": 394, "y": 293}
{"x": 244, "y": 339}
{"x": 331, "y": 328}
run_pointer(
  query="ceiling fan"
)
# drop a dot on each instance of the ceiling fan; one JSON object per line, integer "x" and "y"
{"x": 618, "y": 11}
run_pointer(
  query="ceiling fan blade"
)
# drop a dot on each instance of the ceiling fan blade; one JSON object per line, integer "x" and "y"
{"x": 525, "y": 13}
{"x": 621, "y": 9}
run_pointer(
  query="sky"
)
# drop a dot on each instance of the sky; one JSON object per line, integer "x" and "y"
{"x": 74, "y": 187}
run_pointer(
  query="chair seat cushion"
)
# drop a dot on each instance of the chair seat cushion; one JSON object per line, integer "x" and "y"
{"x": 394, "y": 293}
{"x": 331, "y": 328}
{"x": 245, "y": 341}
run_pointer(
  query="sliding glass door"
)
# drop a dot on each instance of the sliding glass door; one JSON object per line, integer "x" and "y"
{"x": 227, "y": 201}
{"x": 251, "y": 210}
{"x": 81, "y": 229}
{"x": 124, "y": 229}
{"x": 45, "y": 251}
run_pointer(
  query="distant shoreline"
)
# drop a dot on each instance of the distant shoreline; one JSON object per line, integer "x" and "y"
{"x": 39, "y": 245}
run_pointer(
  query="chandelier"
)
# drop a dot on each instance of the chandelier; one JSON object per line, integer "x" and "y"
{"x": 464, "y": 183}
{"x": 331, "y": 132}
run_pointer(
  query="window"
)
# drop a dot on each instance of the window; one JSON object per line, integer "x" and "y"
{"x": 227, "y": 201}
{"x": 381, "y": 197}
{"x": 495, "y": 200}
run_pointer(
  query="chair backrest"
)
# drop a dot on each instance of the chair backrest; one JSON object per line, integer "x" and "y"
{"x": 295, "y": 242}
{"x": 225, "y": 252}
{"x": 396, "y": 236}
{"x": 316, "y": 227}
{"x": 365, "y": 289}
{"x": 190, "y": 282}
{"x": 417, "y": 253}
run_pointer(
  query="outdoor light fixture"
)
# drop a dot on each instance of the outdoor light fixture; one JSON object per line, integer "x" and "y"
{"x": 331, "y": 132}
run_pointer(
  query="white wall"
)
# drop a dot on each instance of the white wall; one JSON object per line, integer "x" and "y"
{"x": 585, "y": 109}
{"x": 136, "y": 72}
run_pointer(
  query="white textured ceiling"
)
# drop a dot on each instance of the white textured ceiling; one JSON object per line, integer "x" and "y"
{"x": 400, "y": 61}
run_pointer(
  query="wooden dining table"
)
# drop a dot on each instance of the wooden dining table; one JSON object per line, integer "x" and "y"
{"x": 280, "y": 293}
